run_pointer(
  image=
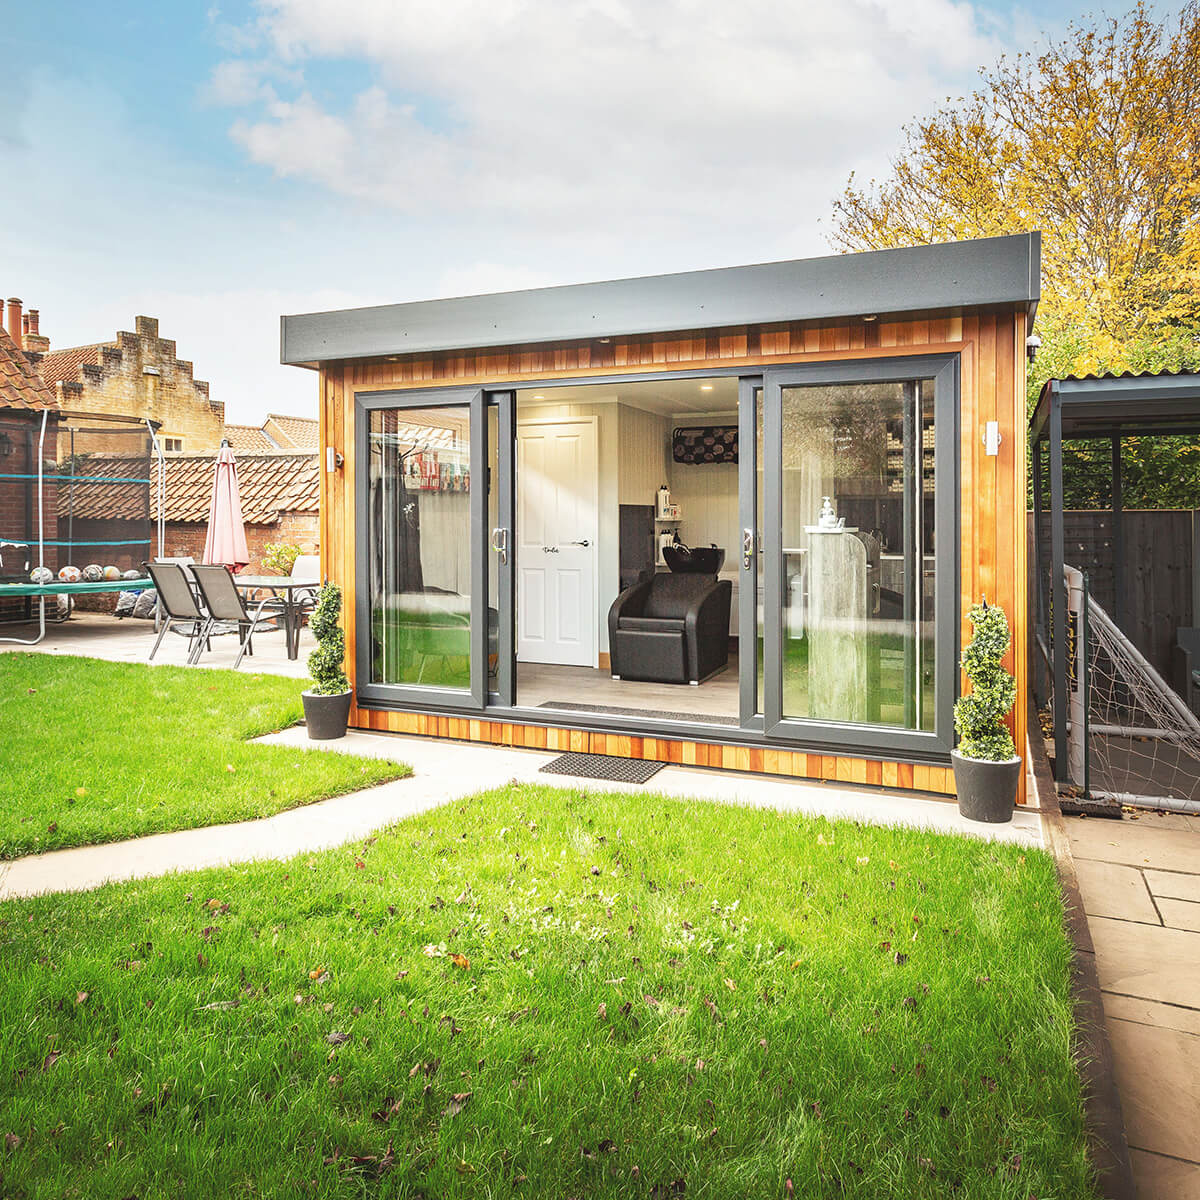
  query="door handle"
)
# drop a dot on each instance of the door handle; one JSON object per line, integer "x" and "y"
{"x": 747, "y": 549}
{"x": 549, "y": 549}
{"x": 500, "y": 543}
{"x": 583, "y": 542}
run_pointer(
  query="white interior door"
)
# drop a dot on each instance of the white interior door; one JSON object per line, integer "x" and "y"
{"x": 557, "y": 522}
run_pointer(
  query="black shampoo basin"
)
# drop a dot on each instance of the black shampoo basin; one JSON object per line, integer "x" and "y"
{"x": 699, "y": 560}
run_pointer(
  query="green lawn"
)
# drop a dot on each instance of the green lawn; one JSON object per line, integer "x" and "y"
{"x": 540, "y": 993}
{"x": 97, "y": 751}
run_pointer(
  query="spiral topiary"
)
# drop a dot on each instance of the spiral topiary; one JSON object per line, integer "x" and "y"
{"x": 325, "y": 663}
{"x": 979, "y": 714}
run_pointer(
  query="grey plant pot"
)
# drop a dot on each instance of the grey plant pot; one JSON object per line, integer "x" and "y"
{"x": 326, "y": 716}
{"x": 987, "y": 791}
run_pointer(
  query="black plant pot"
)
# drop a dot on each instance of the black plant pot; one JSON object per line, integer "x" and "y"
{"x": 987, "y": 791}
{"x": 326, "y": 716}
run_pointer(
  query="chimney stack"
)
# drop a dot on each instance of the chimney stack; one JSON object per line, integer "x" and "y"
{"x": 14, "y": 321}
{"x": 35, "y": 341}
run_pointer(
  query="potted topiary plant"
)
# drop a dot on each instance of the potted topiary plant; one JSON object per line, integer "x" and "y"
{"x": 987, "y": 767}
{"x": 327, "y": 702}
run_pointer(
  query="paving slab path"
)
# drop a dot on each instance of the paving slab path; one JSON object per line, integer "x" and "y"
{"x": 444, "y": 771}
{"x": 1140, "y": 883}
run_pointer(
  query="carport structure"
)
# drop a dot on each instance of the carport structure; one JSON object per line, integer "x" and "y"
{"x": 1094, "y": 408}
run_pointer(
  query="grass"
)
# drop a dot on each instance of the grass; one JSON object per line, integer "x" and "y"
{"x": 98, "y": 751}
{"x": 540, "y": 993}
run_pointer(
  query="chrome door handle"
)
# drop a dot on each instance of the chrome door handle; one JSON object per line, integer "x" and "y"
{"x": 584, "y": 542}
{"x": 500, "y": 542}
{"x": 747, "y": 549}
{"x": 549, "y": 549}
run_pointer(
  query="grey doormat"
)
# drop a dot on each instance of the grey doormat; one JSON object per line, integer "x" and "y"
{"x": 694, "y": 718}
{"x": 603, "y": 766}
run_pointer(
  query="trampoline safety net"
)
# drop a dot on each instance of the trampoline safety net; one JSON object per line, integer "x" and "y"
{"x": 99, "y": 484}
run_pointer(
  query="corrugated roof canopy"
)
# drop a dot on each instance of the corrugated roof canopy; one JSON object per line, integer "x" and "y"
{"x": 922, "y": 279}
{"x": 1106, "y": 406}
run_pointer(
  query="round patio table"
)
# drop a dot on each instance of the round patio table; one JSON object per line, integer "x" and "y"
{"x": 289, "y": 592}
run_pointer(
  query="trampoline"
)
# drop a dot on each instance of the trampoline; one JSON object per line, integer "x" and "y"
{"x": 76, "y": 490}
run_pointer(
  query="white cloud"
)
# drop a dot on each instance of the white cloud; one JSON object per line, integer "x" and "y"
{"x": 675, "y": 116}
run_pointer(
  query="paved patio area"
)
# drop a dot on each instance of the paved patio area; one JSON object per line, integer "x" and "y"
{"x": 1140, "y": 882}
{"x": 100, "y": 635}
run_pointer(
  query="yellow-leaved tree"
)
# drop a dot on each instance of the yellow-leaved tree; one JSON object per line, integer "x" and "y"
{"x": 1096, "y": 142}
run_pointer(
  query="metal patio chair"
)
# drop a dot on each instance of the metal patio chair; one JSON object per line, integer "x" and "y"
{"x": 227, "y": 607}
{"x": 178, "y": 601}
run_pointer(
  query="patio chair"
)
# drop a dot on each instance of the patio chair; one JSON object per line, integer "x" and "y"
{"x": 178, "y": 601}
{"x": 226, "y": 607}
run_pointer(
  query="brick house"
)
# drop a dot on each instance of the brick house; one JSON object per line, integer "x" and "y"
{"x": 137, "y": 376}
{"x": 280, "y": 493}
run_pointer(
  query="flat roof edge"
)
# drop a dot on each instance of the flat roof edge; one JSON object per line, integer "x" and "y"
{"x": 947, "y": 276}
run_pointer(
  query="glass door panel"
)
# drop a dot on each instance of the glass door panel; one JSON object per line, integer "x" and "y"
{"x": 422, "y": 589}
{"x": 851, "y": 557}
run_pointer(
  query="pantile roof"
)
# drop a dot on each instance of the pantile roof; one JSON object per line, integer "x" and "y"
{"x": 249, "y": 439}
{"x": 298, "y": 433}
{"x": 269, "y": 485}
{"x": 21, "y": 386}
{"x": 63, "y": 366}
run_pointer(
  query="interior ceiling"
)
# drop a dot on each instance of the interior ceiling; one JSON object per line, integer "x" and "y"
{"x": 663, "y": 396}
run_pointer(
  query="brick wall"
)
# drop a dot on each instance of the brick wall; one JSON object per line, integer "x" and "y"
{"x": 296, "y": 529}
{"x": 142, "y": 377}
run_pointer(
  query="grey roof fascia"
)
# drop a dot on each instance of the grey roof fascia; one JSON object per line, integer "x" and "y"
{"x": 952, "y": 276}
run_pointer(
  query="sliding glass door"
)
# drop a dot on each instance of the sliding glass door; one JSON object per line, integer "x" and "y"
{"x": 858, "y": 547}
{"x": 424, "y": 624}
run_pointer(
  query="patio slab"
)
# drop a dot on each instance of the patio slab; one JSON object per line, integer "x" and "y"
{"x": 444, "y": 771}
{"x": 1112, "y": 890}
{"x": 1163, "y": 1178}
{"x": 1149, "y": 969}
{"x": 1158, "y": 1075}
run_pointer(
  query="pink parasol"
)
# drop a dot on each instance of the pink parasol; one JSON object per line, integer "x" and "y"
{"x": 225, "y": 542}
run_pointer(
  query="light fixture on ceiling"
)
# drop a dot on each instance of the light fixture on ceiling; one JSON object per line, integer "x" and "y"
{"x": 871, "y": 317}
{"x": 539, "y": 396}
{"x": 605, "y": 341}
{"x": 706, "y": 387}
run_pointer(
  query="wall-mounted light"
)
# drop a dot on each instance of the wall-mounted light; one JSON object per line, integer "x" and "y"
{"x": 991, "y": 439}
{"x": 1033, "y": 344}
{"x": 333, "y": 460}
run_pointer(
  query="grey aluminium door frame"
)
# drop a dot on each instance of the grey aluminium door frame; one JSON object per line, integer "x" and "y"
{"x": 748, "y": 549}
{"x": 501, "y": 551}
{"x": 943, "y": 369}
{"x": 474, "y": 696}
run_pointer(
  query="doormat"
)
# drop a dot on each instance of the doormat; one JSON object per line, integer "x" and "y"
{"x": 694, "y": 718}
{"x": 603, "y": 766}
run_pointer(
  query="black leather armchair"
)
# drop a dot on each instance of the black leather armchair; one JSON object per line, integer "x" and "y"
{"x": 670, "y": 628}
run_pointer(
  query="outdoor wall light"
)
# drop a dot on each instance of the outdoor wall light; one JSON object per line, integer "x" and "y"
{"x": 991, "y": 439}
{"x": 333, "y": 460}
{"x": 1033, "y": 344}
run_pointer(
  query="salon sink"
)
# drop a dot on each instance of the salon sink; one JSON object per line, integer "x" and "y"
{"x": 699, "y": 560}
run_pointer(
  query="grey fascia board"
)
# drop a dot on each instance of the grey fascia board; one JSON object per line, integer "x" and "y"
{"x": 952, "y": 276}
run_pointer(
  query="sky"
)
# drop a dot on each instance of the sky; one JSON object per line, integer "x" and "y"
{"x": 218, "y": 165}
